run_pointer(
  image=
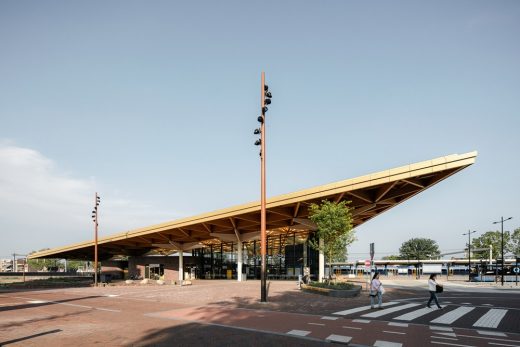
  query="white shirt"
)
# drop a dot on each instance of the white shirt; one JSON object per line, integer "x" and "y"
{"x": 374, "y": 286}
{"x": 431, "y": 285}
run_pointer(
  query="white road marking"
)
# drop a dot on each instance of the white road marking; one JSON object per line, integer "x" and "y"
{"x": 106, "y": 309}
{"x": 386, "y": 311}
{"x": 433, "y": 327}
{"x": 320, "y": 324}
{"x": 491, "y": 319}
{"x": 452, "y": 316}
{"x": 362, "y": 308}
{"x": 404, "y": 325}
{"x": 491, "y": 333}
{"x": 329, "y": 318}
{"x": 64, "y": 303}
{"x": 355, "y": 328}
{"x": 487, "y": 304}
{"x": 489, "y": 338}
{"x": 361, "y": 321}
{"x": 299, "y": 332}
{"x": 445, "y": 338}
{"x": 451, "y": 344}
{"x": 381, "y": 343}
{"x": 394, "y": 332}
{"x": 502, "y": 344}
{"x": 339, "y": 338}
{"x": 10, "y": 303}
{"x": 414, "y": 314}
{"x": 446, "y": 334}
{"x": 466, "y": 303}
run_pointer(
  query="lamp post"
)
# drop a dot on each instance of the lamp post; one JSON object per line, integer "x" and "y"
{"x": 95, "y": 219}
{"x": 265, "y": 99}
{"x": 469, "y": 252}
{"x": 501, "y": 221}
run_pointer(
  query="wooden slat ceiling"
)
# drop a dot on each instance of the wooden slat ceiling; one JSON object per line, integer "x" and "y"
{"x": 370, "y": 195}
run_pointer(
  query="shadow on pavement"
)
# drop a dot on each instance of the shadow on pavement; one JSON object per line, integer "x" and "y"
{"x": 35, "y": 320}
{"x": 43, "y": 303}
{"x": 194, "y": 334}
{"x": 5, "y": 343}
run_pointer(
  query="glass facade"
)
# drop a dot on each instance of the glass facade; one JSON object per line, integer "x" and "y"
{"x": 287, "y": 254}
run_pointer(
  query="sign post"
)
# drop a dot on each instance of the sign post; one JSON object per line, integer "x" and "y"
{"x": 516, "y": 270}
{"x": 371, "y": 258}
{"x": 367, "y": 270}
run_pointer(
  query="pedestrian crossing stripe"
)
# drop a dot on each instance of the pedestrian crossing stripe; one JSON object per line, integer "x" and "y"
{"x": 415, "y": 314}
{"x": 452, "y": 316}
{"x": 388, "y": 311}
{"x": 490, "y": 319}
{"x": 362, "y": 308}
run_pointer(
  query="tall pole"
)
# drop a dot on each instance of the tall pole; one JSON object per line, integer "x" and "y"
{"x": 96, "y": 241}
{"x": 502, "y": 267}
{"x": 469, "y": 256}
{"x": 263, "y": 223}
{"x": 501, "y": 221}
{"x": 469, "y": 252}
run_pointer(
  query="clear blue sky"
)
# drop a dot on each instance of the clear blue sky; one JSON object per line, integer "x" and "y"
{"x": 153, "y": 104}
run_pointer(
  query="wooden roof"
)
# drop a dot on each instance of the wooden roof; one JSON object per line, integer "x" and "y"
{"x": 370, "y": 195}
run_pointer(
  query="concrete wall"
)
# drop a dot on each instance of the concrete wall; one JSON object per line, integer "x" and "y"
{"x": 136, "y": 266}
{"x": 114, "y": 268}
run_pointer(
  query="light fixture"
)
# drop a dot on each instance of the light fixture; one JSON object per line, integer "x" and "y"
{"x": 268, "y": 95}
{"x": 261, "y": 119}
{"x": 258, "y": 142}
{"x": 267, "y": 101}
{"x": 257, "y": 131}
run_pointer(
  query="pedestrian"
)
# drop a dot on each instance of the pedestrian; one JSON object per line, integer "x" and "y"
{"x": 433, "y": 288}
{"x": 376, "y": 290}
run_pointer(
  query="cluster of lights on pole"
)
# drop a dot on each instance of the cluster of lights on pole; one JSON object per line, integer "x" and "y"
{"x": 94, "y": 211}
{"x": 261, "y": 118}
{"x": 96, "y": 224}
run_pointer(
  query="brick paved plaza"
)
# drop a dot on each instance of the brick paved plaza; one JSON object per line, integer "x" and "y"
{"x": 221, "y": 313}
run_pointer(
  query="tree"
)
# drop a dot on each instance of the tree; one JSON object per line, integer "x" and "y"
{"x": 493, "y": 239}
{"x": 515, "y": 242}
{"x": 392, "y": 257}
{"x": 334, "y": 223}
{"x": 53, "y": 264}
{"x": 419, "y": 248}
{"x": 41, "y": 264}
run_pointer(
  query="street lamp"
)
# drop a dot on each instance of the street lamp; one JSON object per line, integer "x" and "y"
{"x": 95, "y": 218}
{"x": 501, "y": 221}
{"x": 469, "y": 251}
{"x": 265, "y": 99}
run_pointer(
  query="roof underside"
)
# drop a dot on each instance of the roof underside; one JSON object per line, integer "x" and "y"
{"x": 370, "y": 195}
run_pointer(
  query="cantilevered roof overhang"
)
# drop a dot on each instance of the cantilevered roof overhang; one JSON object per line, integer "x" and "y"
{"x": 370, "y": 195}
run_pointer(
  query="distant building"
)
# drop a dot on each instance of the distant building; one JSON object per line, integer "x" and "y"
{"x": 6, "y": 265}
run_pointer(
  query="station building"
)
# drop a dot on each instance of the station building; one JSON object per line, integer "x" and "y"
{"x": 225, "y": 244}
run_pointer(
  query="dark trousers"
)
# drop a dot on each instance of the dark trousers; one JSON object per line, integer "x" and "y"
{"x": 433, "y": 296}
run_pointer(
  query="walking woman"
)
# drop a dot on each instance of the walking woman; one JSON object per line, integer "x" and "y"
{"x": 376, "y": 289}
{"x": 432, "y": 287}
